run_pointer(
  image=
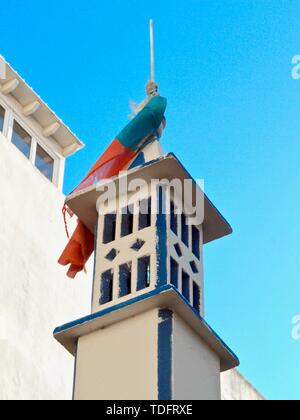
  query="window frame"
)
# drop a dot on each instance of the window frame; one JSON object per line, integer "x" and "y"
{"x": 8, "y": 111}
{"x": 37, "y": 143}
{"x": 4, "y": 118}
{"x": 29, "y": 134}
{"x": 35, "y": 140}
{"x": 12, "y": 115}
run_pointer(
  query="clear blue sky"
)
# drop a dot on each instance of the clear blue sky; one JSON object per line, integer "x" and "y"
{"x": 233, "y": 119}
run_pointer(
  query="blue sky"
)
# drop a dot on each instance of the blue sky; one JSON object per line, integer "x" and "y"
{"x": 233, "y": 119}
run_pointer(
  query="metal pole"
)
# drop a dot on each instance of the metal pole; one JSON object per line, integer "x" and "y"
{"x": 152, "y": 51}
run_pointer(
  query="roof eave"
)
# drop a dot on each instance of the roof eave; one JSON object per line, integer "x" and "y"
{"x": 75, "y": 144}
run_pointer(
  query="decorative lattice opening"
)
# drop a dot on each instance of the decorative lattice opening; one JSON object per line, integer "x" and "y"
{"x": 145, "y": 214}
{"x": 173, "y": 219}
{"x": 178, "y": 250}
{"x": 194, "y": 267}
{"x": 174, "y": 273}
{"x": 196, "y": 242}
{"x": 184, "y": 230}
{"x": 107, "y": 279}
{"x": 138, "y": 245}
{"x": 196, "y": 297}
{"x": 127, "y": 221}
{"x": 112, "y": 255}
{"x": 109, "y": 231}
{"x": 125, "y": 280}
{"x": 144, "y": 273}
{"x": 186, "y": 285}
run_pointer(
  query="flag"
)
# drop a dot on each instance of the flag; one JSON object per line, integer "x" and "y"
{"x": 146, "y": 125}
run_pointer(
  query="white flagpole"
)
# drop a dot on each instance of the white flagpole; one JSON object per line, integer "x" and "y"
{"x": 152, "y": 51}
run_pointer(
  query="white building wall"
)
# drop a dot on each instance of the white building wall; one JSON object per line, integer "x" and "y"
{"x": 196, "y": 366}
{"x": 35, "y": 294}
{"x": 236, "y": 388}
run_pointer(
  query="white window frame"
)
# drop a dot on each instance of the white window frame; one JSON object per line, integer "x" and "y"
{"x": 1, "y": 130}
{"x": 14, "y": 119}
{"x": 7, "y": 110}
{"x": 35, "y": 140}
{"x": 11, "y": 115}
{"x": 9, "y": 119}
{"x": 56, "y": 160}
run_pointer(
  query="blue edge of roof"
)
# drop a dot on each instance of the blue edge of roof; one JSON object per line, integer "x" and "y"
{"x": 154, "y": 292}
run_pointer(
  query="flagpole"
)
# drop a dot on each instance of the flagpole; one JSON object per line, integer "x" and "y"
{"x": 152, "y": 51}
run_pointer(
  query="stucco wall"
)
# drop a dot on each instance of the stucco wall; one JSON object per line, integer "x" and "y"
{"x": 119, "y": 362}
{"x": 196, "y": 366}
{"x": 35, "y": 295}
{"x": 236, "y": 388}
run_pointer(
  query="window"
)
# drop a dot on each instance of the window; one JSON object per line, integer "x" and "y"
{"x": 125, "y": 280}
{"x": 174, "y": 219}
{"x": 196, "y": 297}
{"x": 174, "y": 273}
{"x": 127, "y": 221}
{"x": 44, "y": 162}
{"x": 144, "y": 273}
{"x": 21, "y": 139}
{"x": 109, "y": 233}
{"x": 196, "y": 241}
{"x": 106, "y": 287}
{"x": 2, "y": 116}
{"x": 145, "y": 214}
{"x": 186, "y": 285}
{"x": 184, "y": 230}
{"x": 29, "y": 145}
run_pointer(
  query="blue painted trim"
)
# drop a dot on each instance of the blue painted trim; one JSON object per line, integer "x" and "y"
{"x": 111, "y": 309}
{"x": 137, "y": 299}
{"x": 95, "y": 261}
{"x": 161, "y": 233}
{"x": 139, "y": 161}
{"x": 165, "y": 355}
